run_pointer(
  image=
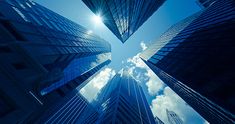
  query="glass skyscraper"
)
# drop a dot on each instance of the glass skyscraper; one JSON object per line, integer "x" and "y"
{"x": 158, "y": 120}
{"x": 123, "y": 101}
{"x": 173, "y": 118}
{"x": 123, "y": 17}
{"x": 195, "y": 58}
{"x": 44, "y": 57}
{"x": 205, "y": 3}
{"x": 74, "y": 109}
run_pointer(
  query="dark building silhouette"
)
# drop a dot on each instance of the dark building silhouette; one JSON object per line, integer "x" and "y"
{"x": 123, "y": 17}
{"x": 44, "y": 57}
{"x": 195, "y": 58}
{"x": 173, "y": 118}
{"x": 123, "y": 101}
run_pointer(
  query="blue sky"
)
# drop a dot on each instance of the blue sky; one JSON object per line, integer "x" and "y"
{"x": 159, "y": 96}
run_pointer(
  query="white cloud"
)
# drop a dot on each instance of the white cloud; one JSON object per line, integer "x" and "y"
{"x": 100, "y": 58}
{"x": 154, "y": 84}
{"x": 166, "y": 100}
{"x": 143, "y": 45}
{"x": 99, "y": 81}
{"x": 136, "y": 61}
{"x": 171, "y": 101}
{"x": 131, "y": 70}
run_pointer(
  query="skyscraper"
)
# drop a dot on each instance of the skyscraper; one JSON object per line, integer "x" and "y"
{"x": 205, "y": 3}
{"x": 173, "y": 118}
{"x": 195, "y": 58}
{"x": 123, "y": 101}
{"x": 74, "y": 109}
{"x": 43, "y": 58}
{"x": 123, "y": 17}
{"x": 158, "y": 121}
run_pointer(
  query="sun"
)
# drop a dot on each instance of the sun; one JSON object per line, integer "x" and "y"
{"x": 97, "y": 20}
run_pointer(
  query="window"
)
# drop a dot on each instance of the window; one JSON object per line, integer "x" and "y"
{"x": 28, "y": 4}
{"x": 33, "y": 3}
{"x": 35, "y": 19}
{"x": 53, "y": 23}
{"x": 47, "y": 23}
{"x": 20, "y": 3}
{"x": 22, "y": 6}
{"x": 21, "y": 14}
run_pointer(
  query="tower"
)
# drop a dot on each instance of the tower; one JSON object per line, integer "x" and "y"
{"x": 205, "y": 3}
{"x": 158, "y": 121}
{"x": 123, "y": 17}
{"x": 44, "y": 57}
{"x": 195, "y": 59}
{"x": 123, "y": 101}
{"x": 173, "y": 118}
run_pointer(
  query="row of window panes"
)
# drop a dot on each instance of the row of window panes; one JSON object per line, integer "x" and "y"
{"x": 37, "y": 20}
{"x": 82, "y": 42}
{"x": 21, "y": 14}
{"x": 46, "y": 16}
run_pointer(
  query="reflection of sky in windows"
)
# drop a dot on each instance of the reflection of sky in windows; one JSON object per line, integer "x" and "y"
{"x": 35, "y": 19}
{"x": 79, "y": 37}
{"x": 28, "y": 4}
{"x": 21, "y": 14}
{"x": 76, "y": 68}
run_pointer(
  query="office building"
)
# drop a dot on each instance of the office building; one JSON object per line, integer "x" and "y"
{"x": 123, "y": 102}
{"x": 173, "y": 118}
{"x": 195, "y": 58}
{"x": 123, "y": 17}
{"x": 205, "y": 3}
{"x": 158, "y": 120}
{"x": 73, "y": 109}
{"x": 43, "y": 58}
{"x": 89, "y": 116}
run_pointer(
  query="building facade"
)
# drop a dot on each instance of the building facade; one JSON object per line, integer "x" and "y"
{"x": 122, "y": 100}
{"x": 43, "y": 58}
{"x": 195, "y": 59}
{"x": 73, "y": 109}
{"x": 123, "y": 17}
{"x": 158, "y": 120}
{"x": 173, "y": 118}
{"x": 205, "y": 3}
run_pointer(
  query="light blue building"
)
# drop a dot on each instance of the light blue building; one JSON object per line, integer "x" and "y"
{"x": 173, "y": 118}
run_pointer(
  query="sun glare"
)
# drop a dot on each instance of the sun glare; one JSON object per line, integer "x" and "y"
{"x": 97, "y": 19}
{"x": 89, "y": 32}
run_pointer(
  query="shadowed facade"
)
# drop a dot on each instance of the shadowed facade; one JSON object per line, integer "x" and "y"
{"x": 195, "y": 58}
